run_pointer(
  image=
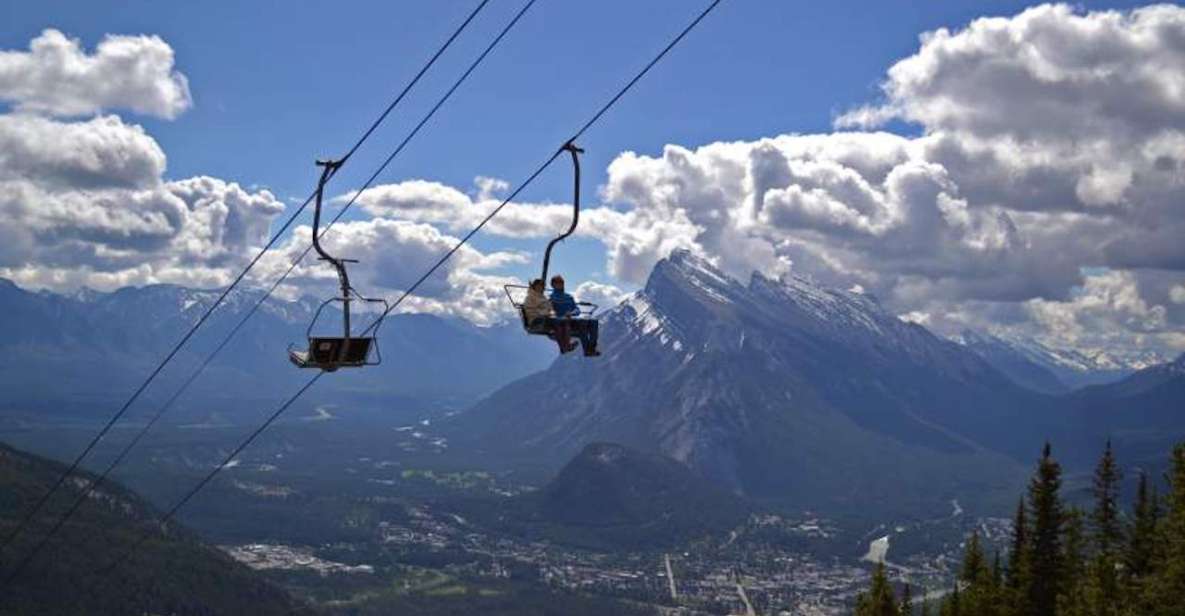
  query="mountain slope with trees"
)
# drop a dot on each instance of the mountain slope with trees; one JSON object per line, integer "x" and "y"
{"x": 611, "y": 497}
{"x": 1066, "y": 561}
{"x": 170, "y": 573}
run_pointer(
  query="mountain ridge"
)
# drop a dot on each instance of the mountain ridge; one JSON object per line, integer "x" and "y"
{"x": 69, "y": 576}
{"x": 824, "y": 385}
{"x": 1051, "y": 370}
{"x": 93, "y": 346}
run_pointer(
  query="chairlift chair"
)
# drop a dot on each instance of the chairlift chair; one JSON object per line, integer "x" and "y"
{"x": 329, "y": 353}
{"x": 587, "y": 309}
{"x": 332, "y": 352}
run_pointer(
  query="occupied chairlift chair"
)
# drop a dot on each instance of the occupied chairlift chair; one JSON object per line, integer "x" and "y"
{"x": 587, "y": 310}
{"x": 332, "y": 352}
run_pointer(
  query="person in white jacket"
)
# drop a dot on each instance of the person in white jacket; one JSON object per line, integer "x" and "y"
{"x": 540, "y": 316}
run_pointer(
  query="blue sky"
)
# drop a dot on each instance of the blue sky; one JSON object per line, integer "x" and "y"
{"x": 275, "y": 85}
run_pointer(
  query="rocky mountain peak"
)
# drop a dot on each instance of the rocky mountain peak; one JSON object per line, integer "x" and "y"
{"x": 689, "y": 303}
{"x": 688, "y": 272}
{"x": 734, "y": 380}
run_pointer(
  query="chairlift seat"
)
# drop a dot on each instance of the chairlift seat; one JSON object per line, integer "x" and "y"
{"x": 538, "y": 329}
{"x": 587, "y": 311}
{"x": 346, "y": 351}
{"x": 326, "y": 353}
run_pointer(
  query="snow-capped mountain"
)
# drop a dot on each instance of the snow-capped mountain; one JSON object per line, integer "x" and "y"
{"x": 1020, "y": 366}
{"x": 1031, "y": 363}
{"x": 88, "y": 347}
{"x": 777, "y": 389}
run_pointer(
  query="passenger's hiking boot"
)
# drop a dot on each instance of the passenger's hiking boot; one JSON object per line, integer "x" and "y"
{"x": 592, "y": 353}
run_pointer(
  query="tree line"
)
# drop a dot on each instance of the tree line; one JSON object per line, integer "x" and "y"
{"x": 1066, "y": 561}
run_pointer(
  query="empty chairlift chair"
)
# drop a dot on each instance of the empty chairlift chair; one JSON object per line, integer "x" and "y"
{"x": 329, "y": 353}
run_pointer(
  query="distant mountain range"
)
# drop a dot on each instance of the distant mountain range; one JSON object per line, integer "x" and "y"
{"x": 786, "y": 391}
{"x": 1043, "y": 368}
{"x": 776, "y": 390}
{"x": 79, "y": 353}
{"x": 170, "y": 573}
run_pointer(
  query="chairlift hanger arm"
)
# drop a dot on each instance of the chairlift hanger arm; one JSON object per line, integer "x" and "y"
{"x": 575, "y": 151}
{"x": 328, "y": 169}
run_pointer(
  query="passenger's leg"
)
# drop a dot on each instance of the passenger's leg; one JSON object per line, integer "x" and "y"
{"x": 594, "y": 332}
{"x": 584, "y": 328}
{"x": 578, "y": 330}
{"x": 589, "y": 339}
{"x": 545, "y": 325}
{"x": 563, "y": 335}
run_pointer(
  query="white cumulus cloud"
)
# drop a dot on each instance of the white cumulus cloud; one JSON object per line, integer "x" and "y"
{"x": 392, "y": 255}
{"x": 85, "y": 202}
{"x": 56, "y": 76}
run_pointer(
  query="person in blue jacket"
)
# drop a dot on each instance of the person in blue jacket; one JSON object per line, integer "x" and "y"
{"x": 565, "y": 307}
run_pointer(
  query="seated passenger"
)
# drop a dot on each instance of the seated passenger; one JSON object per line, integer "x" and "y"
{"x": 540, "y": 317}
{"x": 566, "y": 309}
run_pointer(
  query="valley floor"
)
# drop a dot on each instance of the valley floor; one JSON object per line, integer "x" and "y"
{"x": 373, "y": 521}
{"x": 458, "y": 558}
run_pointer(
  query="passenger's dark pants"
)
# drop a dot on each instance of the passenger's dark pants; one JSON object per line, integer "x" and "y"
{"x": 560, "y": 330}
{"x": 587, "y": 330}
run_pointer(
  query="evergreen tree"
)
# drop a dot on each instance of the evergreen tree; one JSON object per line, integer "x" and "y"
{"x": 906, "y": 601}
{"x": 1079, "y": 593}
{"x": 1106, "y": 527}
{"x": 1142, "y": 540}
{"x": 974, "y": 566}
{"x": 1074, "y": 546}
{"x": 1165, "y": 589}
{"x": 1016, "y": 591}
{"x": 1018, "y": 554}
{"x": 995, "y": 596}
{"x": 952, "y": 605}
{"x": 1106, "y": 535}
{"x": 879, "y": 600}
{"x": 1046, "y": 555}
{"x": 981, "y": 594}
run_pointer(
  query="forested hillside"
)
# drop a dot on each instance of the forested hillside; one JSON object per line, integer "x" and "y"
{"x": 1065, "y": 560}
{"x": 170, "y": 573}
